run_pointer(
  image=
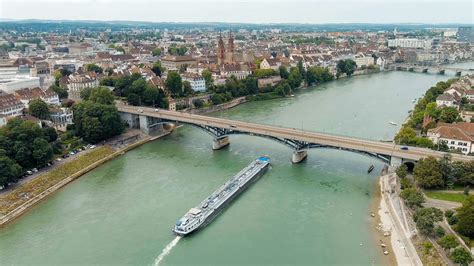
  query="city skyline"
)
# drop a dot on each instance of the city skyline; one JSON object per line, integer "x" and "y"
{"x": 263, "y": 11}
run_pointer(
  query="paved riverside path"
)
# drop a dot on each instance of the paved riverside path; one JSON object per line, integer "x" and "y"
{"x": 343, "y": 142}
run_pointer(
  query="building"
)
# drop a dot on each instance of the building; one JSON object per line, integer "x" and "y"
{"x": 457, "y": 136}
{"x": 381, "y": 62}
{"x": 237, "y": 70}
{"x": 175, "y": 62}
{"x": 18, "y": 82}
{"x": 80, "y": 48}
{"x": 26, "y": 95}
{"x": 466, "y": 34}
{"x": 467, "y": 116}
{"x": 410, "y": 43}
{"x": 470, "y": 95}
{"x": 69, "y": 65}
{"x": 226, "y": 55}
{"x": 197, "y": 81}
{"x": 363, "y": 60}
{"x": 77, "y": 82}
{"x": 41, "y": 68}
{"x": 271, "y": 63}
{"x": 61, "y": 117}
{"x": 447, "y": 100}
{"x": 10, "y": 105}
{"x": 3, "y": 120}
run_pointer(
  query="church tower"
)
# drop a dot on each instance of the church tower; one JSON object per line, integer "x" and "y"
{"x": 231, "y": 48}
{"x": 220, "y": 50}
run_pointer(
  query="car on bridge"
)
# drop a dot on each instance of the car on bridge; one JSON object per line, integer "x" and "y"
{"x": 405, "y": 148}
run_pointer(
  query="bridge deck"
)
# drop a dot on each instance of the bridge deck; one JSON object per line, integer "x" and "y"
{"x": 349, "y": 143}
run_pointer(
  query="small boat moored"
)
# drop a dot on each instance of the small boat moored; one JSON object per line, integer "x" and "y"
{"x": 371, "y": 168}
{"x": 392, "y": 123}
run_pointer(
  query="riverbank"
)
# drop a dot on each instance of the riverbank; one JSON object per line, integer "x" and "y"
{"x": 394, "y": 226}
{"x": 378, "y": 234}
{"x": 18, "y": 201}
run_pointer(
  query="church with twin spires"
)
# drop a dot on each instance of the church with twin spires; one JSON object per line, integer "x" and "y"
{"x": 226, "y": 56}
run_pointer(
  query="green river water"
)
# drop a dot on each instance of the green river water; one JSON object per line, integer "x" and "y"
{"x": 314, "y": 213}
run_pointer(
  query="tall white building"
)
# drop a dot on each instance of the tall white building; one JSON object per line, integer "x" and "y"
{"x": 197, "y": 81}
{"x": 410, "y": 43}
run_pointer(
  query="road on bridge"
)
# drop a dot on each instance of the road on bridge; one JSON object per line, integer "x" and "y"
{"x": 350, "y": 143}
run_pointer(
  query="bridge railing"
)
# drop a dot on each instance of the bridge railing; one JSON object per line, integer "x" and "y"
{"x": 330, "y": 133}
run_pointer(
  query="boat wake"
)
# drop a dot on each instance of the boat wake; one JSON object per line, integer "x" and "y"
{"x": 166, "y": 250}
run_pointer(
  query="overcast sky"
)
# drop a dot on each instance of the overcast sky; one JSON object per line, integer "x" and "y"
{"x": 259, "y": 11}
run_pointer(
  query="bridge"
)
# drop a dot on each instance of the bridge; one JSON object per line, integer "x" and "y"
{"x": 440, "y": 69}
{"x": 147, "y": 119}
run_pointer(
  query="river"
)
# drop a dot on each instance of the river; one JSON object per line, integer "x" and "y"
{"x": 311, "y": 213}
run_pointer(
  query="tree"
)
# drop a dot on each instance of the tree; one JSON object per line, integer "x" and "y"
{"x": 405, "y": 136}
{"x": 283, "y": 89}
{"x": 465, "y": 216}
{"x": 133, "y": 99}
{"x": 413, "y": 197}
{"x": 263, "y": 73}
{"x": 62, "y": 92}
{"x": 25, "y": 145}
{"x": 198, "y": 103}
{"x": 42, "y": 151}
{"x": 95, "y": 122}
{"x": 448, "y": 242}
{"x": 428, "y": 173}
{"x": 251, "y": 84}
{"x": 425, "y": 219}
{"x": 151, "y": 96}
{"x": 9, "y": 169}
{"x": 157, "y": 68}
{"x": 86, "y": 93}
{"x": 432, "y": 110}
{"x": 318, "y": 74}
{"x": 187, "y": 89}
{"x": 174, "y": 50}
{"x": 446, "y": 169}
{"x": 284, "y": 74}
{"x": 449, "y": 114}
{"x": 38, "y": 108}
{"x": 402, "y": 171}
{"x": 207, "y": 75}
{"x": 50, "y": 134}
{"x": 439, "y": 231}
{"x": 174, "y": 83}
{"x": 301, "y": 69}
{"x": 101, "y": 95}
{"x": 462, "y": 256}
{"x": 156, "y": 52}
{"x": 95, "y": 68}
{"x": 345, "y": 67}
{"x": 463, "y": 173}
{"x": 295, "y": 78}
{"x": 405, "y": 183}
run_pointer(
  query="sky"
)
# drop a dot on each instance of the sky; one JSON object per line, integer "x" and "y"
{"x": 245, "y": 11}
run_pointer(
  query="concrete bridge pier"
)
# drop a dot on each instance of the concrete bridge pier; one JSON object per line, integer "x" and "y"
{"x": 220, "y": 142}
{"x": 299, "y": 156}
{"x": 425, "y": 70}
{"x": 395, "y": 161}
{"x": 458, "y": 73}
{"x": 441, "y": 71}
